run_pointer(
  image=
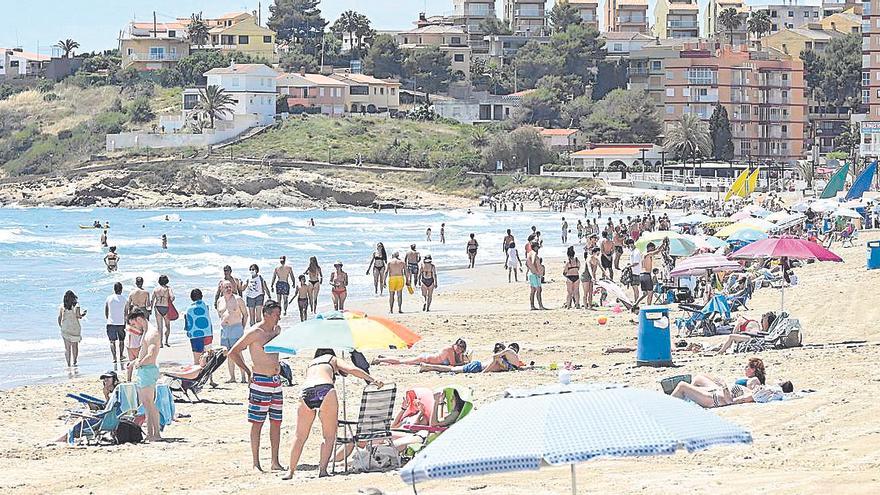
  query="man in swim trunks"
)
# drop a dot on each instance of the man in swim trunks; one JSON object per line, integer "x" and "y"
{"x": 645, "y": 280}
{"x": 282, "y": 279}
{"x": 104, "y": 239}
{"x": 227, "y": 277}
{"x": 606, "y": 256}
{"x": 634, "y": 265}
{"x": 233, "y": 318}
{"x": 535, "y": 268}
{"x": 303, "y": 290}
{"x": 505, "y": 243}
{"x": 114, "y": 313}
{"x": 412, "y": 266}
{"x": 146, "y": 370}
{"x": 396, "y": 281}
{"x": 197, "y": 325}
{"x": 265, "y": 397}
{"x": 564, "y": 231}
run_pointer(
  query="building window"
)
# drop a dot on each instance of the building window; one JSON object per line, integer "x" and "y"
{"x": 670, "y": 109}
{"x": 456, "y": 40}
{"x": 670, "y": 91}
{"x": 784, "y": 129}
{"x": 321, "y": 92}
{"x": 172, "y": 33}
{"x": 816, "y": 14}
{"x": 685, "y": 91}
{"x": 866, "y": 78}
{"x": 243, "y": 40}
{"x": 785, "y": 77}
{"x": 669, "y": 75}
{"x": 866, "y": 96}
{"x": 267, "y": 39}
{"x": 791, "y": 13}
{"x": 773, "y": 14}
{"x": 618, "y": 47}
{"x": 393, "y": 91}
{"x": 774, "y": 28}
{"x": 656, "y": 65}
{"x": 806, "y": 15}
{"x": 381, "y": 91}
{"x": 458, "y": 57}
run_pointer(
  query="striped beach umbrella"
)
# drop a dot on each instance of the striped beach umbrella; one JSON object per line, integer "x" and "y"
{"x": 679, "y": 244}
{"x": 344, "y": 330}
{"x": 563, "y": 425}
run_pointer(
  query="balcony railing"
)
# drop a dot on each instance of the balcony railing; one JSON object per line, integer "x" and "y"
{"x": 681, "y": 24}
{"x": 154, "y": 57}
{"x": 638, "y": 71}
{"x": 702, "y": 80}
{"x": 630, "y": 20}
{"x": 704, "y": 98}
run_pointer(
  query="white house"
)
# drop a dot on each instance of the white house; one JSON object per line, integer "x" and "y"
{"x": 253, "y": 88}
{"x": 17, "y": 63}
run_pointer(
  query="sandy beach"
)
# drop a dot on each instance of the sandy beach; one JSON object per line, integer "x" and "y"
{"x": 826, "y": 442}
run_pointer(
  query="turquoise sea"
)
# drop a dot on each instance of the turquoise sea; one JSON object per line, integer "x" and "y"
{"x": 43, "y": 253}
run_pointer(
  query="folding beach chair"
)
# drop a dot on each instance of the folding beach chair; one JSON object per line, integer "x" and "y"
{"x": 101, "y": 425}
{"x": 737, "y": 302}
{"x": 373, "y": 426}
{"x": 434, "y": 431}
{"x": 213, "y": 362}
{"x": 783, "y": 333}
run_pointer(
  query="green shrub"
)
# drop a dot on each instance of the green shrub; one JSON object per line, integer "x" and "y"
{"x": 50, "y": 97}
{"x": 139, "y": 110}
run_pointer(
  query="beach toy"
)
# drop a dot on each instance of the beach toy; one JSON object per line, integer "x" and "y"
{"x": 409, "y": 288}
{"x": 603, "y": 320}
{"x": 564, "y": 376}
{"x": 617, "y": 309}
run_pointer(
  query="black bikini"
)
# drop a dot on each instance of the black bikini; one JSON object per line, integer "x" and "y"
{"x": 314, "y": 396}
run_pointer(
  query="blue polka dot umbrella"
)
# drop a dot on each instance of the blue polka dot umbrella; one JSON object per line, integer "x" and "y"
{"x": 560, "y": 425}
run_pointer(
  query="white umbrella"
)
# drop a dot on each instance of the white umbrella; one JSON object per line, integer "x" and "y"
{"x": 846, "y": 213}
{"x": 563, "y": 425}
{"x": 824, "y": 205}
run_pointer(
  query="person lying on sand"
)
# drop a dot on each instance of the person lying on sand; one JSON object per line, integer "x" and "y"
{"x": 710, "y": 391}
{"x": 453, "y": 355}
{"x": 504, "y": 358}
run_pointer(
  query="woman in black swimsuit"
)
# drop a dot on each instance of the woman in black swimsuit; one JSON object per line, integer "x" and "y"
{"x": 428, "y": 280}
{"x": 316, "y": 278}
{"x": 571, "y": 272}
{"x": 377, "y": 264}
{"x": 319, "y": 399}
{"x": 472, "y": 247}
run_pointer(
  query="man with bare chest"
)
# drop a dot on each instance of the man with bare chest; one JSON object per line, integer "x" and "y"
{"x": 265, "y": 398}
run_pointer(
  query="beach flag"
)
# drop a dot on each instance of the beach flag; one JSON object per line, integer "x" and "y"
{"x": 751, "y": 183}
{"x": 836, "y": 182}
{"x": 862, "y": 182}
{"x": 737, "y": 185}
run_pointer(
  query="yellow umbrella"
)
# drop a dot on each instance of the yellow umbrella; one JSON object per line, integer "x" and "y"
{"x": 733, "y": 228}
{"x": 717, "y": 222}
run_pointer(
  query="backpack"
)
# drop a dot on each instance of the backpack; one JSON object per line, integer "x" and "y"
{"x": 790, "y": 333}
{"x": 286, "y": 374}
{"x": 360, "y": 361}
{"x": 128, "y": 432}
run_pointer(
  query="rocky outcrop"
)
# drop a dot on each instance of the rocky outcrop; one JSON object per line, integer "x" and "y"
{"x": 341, "y": 196}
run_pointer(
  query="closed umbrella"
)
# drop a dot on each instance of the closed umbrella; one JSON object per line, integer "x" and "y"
{"x": 559, "y": 425}
{"x": 785, "y": 247}
{"x": 702, "y": 264}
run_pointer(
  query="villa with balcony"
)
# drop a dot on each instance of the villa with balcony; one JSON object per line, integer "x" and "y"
{"x": 147, "y": 46}
{"x": 586, "y": 10}
{"x": 676, "y": 19}
{"x": 627, "y": 16}
{"x": 470, "y": 14}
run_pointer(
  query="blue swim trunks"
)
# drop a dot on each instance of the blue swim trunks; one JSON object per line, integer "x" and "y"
{"x": 472, "y": 367}
{"x": 230, "y": 335}
{"x": 534, "y": 280}
{"x": 147, "y": 376}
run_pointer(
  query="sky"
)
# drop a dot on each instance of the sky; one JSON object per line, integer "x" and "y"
{"x": 35, "y": 25}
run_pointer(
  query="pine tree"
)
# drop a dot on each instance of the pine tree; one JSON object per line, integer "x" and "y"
{"x": 719, "y": 132}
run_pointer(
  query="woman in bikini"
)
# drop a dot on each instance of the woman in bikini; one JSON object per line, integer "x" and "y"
{"x": 711, "y": 391}
{"x": 571, "y": 271}
{"x": 339, "y": 284}
{"x": 162, "y": 297}
{"x": 377, "y": 265}
{"x": 303, "y": 290}
{"x": 319, "y": 399}
{"x": 428, "y": 279}
{"x": 472, "y": 246}
{"x": 316, "y": 278}
{"x": 591, "y": 267}
{"x": 453, "y": 355}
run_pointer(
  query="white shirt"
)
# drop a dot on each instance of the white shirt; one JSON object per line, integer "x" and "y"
{"x": 254, "y": 287}
{"x": 635, "y": 260}
{"x": 116, "y": 309}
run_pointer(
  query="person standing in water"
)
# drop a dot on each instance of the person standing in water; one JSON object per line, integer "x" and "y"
{"x": 255, "y": 294}
{"x": 282, "y": 279}
{"x": 316, "y": 278}
{"x": 303, "y": 290}
{"x": 265, "y": 397}
{"x": 396, "y": 281}
{"x": 564, "y": 231}
{"x": 162, "y": 297}
{"x": 104, "y": 239}
{"x": 69, "y": 315}
{"x": 472, "y": 246}
{"x": 112, "y": 260}
{"x": 428, "y": 234}
{"x": 377, "y": 263}
{"x": 339, "y": 284}
{"x": 428, "y": 279}
{"x": 442, "y": 233}
{"x": 413, "y": 258}
{"x": 164, "y": 241}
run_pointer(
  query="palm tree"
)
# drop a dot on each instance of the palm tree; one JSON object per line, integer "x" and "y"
{"x": 215, "y": 103}
{"x": 759, "y": 23}
{"x": 356, "y": 25}
{"x": 689, "y": 138}
{"x": 730, "y": 20}
{"x": 67, "y": 46}
{"x": 198, "y": 31}
{"x": 479, "y": 137}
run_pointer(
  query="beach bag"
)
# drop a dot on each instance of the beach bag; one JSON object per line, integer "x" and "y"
{"x": 790, "y": 333}
{"x": 286, "y": 374}
{"x": 626, "y": 277}
{"x": 172, "y": 315}
{"x": 360, "y": 361}
{"x": 128, "y": 432}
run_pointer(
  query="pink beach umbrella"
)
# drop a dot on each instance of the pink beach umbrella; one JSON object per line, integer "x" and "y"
{"x": 785, "y": 247}
{"x": 702, "y": 264}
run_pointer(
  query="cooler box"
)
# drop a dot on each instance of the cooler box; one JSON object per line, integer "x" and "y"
{"x": 873, "y": 255}
{"x": 655, "y": 341}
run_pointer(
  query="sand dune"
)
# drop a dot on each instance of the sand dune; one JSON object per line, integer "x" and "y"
{"x": 827, "y": 442}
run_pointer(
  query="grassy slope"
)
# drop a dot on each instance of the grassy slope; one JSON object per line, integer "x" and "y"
{"x": 377, "y": 139}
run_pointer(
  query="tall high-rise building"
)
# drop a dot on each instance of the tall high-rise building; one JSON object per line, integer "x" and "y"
{"x": 471, "y": 14}
{"x": 586, "y": 10}
{"x": 676, "y": 19}
{"x": 626, "y": 16}
{"x": 870, "y": 142}
{"x": 526, "y": 17}
{"x": 711, "y": 27}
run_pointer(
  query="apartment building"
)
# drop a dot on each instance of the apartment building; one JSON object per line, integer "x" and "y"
{"x": 241, "y": 32}
{"x": 795, "y": 40}
{"x": 470, "y": 14}
{"x": 763, "y": 92}
{"x": 712, "y": 29}
{"x": 503, "y": 47}
{"x": 586, "y": 10}
{"x": 366, "y": 94}
{"x": 676, "y": 19}
{"x": 845, "y": 22}
{"x": 451, "y": 40}
{"x": 788, "y": 14}
{"x": 526, "y": 17}
{"x": 626, "y": 16}
{"x": 870, "y": 143}
{"x": 150, "y": 46}
{"x": 620, "y": 45}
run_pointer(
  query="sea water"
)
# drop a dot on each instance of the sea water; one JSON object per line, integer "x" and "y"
{"x": 43, "y": 253}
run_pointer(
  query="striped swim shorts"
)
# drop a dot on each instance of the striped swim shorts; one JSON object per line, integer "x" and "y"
{"x": 265, "y": 399}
